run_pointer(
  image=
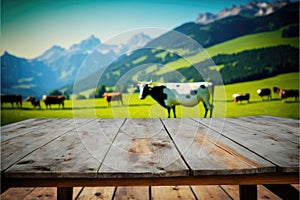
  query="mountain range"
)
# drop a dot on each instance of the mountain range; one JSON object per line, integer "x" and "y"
{"x": 253, "y": 8}
{"x": 57, "y": 67}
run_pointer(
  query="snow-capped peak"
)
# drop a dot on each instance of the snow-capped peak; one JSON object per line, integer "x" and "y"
{"x": 50, "y": 54}
{"x": 253, "y": 8}
{"x": 88, "y": 44}
{"x": 137, "y": 41}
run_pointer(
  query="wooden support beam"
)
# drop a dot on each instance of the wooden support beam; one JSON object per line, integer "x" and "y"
{"x": 248, "y": 192}
{"x": 64, "y": 193}
{"x": 253, "y": 179}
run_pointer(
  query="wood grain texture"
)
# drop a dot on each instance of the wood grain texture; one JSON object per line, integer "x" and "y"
{"x": 107, "y": 193}
{"x": 42, "y": 193}
{"x": 281, "y": 178}
{"x": 23, "y": 143}
{"x": 172, "y": 192}
{"x": 262, "y": 192}
{"x": 143, "y": 152}
{"x": 94, "y": 193}
{"x": 23, "y": 127}
{"x": 267, "y": 144}
{"x": 210, "y": 192}
{"x": 137, "y": 192}
{"x": 142, "y": 149}
{"x": 71, "y": 155}
{"x": 208, "y": 152}
{"x": 16, "y": 193}
{"x": 287, "y": 131}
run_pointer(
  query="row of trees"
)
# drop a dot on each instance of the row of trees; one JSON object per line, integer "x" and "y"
{"x": 244, "y": 66}
{"x": 98, "y": 93}
{"x": 58, "y": 92}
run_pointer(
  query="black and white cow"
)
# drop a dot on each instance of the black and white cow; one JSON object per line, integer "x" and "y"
{"x": 264, "y": 92}
{"x": 169, "y": 97}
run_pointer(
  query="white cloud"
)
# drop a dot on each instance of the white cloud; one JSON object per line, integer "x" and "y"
{"x": 25, "y": 80}
{"x": 24, "y": 86}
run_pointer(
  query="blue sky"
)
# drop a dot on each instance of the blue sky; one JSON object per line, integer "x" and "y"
{"x": 29, "y": 27}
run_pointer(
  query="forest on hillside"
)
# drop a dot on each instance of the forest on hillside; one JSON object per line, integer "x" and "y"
{"x": 244, "y": 66}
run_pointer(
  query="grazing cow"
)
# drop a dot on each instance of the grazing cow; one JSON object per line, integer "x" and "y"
{"x": 12, "y": 98}
{"x": 264, "y": 92}
{"x": 33, "y": 101}
{"x": 114, "y": 96}
{"x": 48, "y": 100}
{"x": 169, "y": 98}
{"x": 241, "y": 97}
{"x": 287, "y": 93}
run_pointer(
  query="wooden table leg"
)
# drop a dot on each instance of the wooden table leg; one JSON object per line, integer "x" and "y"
{"x": 284, "y": 191}
{"x": 248, "y": 192}
{"x": 64, "y": 193}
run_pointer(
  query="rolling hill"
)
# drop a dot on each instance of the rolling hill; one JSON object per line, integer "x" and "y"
{"x": 178, "y": 55}
{"x": 170, "y": 58}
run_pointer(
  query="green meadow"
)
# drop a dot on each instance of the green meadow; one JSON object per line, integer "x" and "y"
{"x": 148, "y": 108}
{"x": 236, "y": 45}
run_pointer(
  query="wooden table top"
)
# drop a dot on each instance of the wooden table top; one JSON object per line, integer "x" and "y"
{"x": 149, "y": 148}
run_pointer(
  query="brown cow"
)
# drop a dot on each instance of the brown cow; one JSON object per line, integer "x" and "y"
{"x": 241, "y": 97}
{"x": 115, "y": 96}
{"x": 284, "y": 94}
{"x": 48, "y": 100}
{"x": 12, "y": 98}
{"x": 33, "y": 101}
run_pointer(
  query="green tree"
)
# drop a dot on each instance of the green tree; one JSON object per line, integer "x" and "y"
{"x": 55, "y": 92}
{"x": 100, "y": 90}
{"x": 66, "y": 94}
{"x": 80, "y": 96}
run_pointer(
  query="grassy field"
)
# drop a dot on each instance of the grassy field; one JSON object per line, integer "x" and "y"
{"x": 236, "y": 45}
{"x": 148, "y": 108}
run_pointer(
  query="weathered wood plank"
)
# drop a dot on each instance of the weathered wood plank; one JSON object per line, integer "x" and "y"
{"x": 125, "y": 193}
{"x": 282, "y": 153}
{"x": 77, "y": 153}
{"x": 262, "y": 192}
{"x": 27, "y": 126}
{"x": 42, "y": 193}
{"x": 269, "y": 178}
{"x": 106, "y": 193}
{"x": 67, "y": 155}
{"x": 208, "y": 152}
{"x": 142, "y": 149}
{"x": 20, "y": 123}
{"x": 287, "y": 123}
{"x": 16, "y": 193}
{"x": 278, "y": 131}
{"x": 33, "y": 193}
{"x": 210, "y": 192}
{"x": 232, "y": 191}
{"x": 12, "y": 150}
{"x": 172, "y": 192}
{"x": 94, "y": 193}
